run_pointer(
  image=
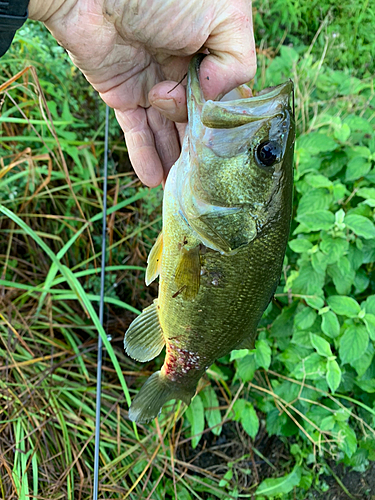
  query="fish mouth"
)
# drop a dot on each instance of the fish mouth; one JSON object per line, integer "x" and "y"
{"x": 268, "y": 103}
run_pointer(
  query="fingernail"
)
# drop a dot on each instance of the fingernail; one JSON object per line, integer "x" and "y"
{"x": 168, "y": 105}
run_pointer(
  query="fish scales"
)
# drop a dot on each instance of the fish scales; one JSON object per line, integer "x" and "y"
{"x": 226, "y": 219}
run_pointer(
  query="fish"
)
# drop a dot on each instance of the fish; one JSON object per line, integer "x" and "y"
{"x": 227, "y": 211}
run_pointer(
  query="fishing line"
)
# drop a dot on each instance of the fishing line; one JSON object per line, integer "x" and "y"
{"x": 101, "y": 313}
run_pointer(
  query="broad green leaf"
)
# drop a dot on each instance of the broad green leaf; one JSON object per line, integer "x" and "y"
{"x": 362, "y": 364}
{"x": 315, "y": 143}
{"x": 343, "y": 275}
{"x": 353, "y": 343}
{"x": 315, "y": 199}
{"x": 275, "y": 487}
{"x": 330, "y": 324}
{"x": 318, "y": 220}
{"x": 333, "y": 374}
{"x": 347, "y": 440}
{"x": 342, "y": 133}
{"x": 283, "y": 324}
{"x": 246, "y": 367}
{"x": 370, "y": 304}
{"x": 361, "y": 281}
{"x": 334, "y": 248}
{"x": 249, "y": 420}
{"x": 262, "y": 354}
{"x": 305, "y": 318}
{"x": 339, "y": 191}
{"x": 321, "y": 345}
{"x": 366, "y": 192}
{"x": 308, "y": 281}
{"x": 195, "y": 415}
{"x": 360, "y": 225}
{"x": 212, "y": 412}
{"x": 319, "y": 261}
{"x": 300, "y": 245}
{"x": 369, "y": 321}
{"x": 238, "y": 354}
{"x": 318, "y": 181}
{"x": 345, "y": 306}
{"x": 357, "y": 167}
{"x": 314, "y": 302}
{"x": 238, "y": 408}
{"x": 312, "y": 367}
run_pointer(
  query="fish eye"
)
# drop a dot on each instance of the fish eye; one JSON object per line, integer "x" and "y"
{"x": 268, "y": 153}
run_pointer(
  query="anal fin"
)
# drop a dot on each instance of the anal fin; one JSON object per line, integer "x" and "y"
{"x": 154, "y": 260}
{"x": 144, "y": 338}
{"x": 187, "y": 277}
{"x": 153, "y": 395}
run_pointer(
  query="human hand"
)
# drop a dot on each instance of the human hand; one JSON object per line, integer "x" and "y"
{"x": 127, "y": 49}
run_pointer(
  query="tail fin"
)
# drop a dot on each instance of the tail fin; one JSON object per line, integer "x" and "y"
{"x": 153, "y": 395}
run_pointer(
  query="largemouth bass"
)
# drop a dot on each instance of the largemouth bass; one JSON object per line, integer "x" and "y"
{"x": 226, "y": 218}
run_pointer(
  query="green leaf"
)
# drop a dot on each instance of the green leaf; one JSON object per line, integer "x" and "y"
{"x": 318, "y": 220}
{"x": 316, "y": 142}
{"x": 305, "y": 318}
{"x": 212, "y": 412}
{"x": 246, "y": 367}
{"x": 343, "y": 275}
{"x": 238, "y": 408}
{"x": 345, "y": 306}
{"x": 312, "y": 367}
{"x": 249, "y": 420}
{"x": 369, "y": 320}
{"x": 334, "y": 248}
{"x": 238, "y": 354}
{"x": 347, "y": 440}
{"x": 195, "y": 415}
{"x": 308, "y": 281}
{"x": 360, "y": 225}
{"x": 300, "y": 245}
{"x": 321, "y": 345}
{"x": 363, "y": 363}
{"x": 330, "y": 324}
{"x": 333, "y": 374}
{"x": 357, "y": 167}
{"x": 318, "y": 181}
{"x": 366, "y": 192}
{"x": 282, "y": 485}
{"x": 342, "y": 133}
{"x": 353, "y": 343}
{"x": 314, "y": 302}
{"x": 319, "y": 261}
{"x": 315, "y": 199}
{"x": 370, "y": 304}
{"x": 262, "y": 354}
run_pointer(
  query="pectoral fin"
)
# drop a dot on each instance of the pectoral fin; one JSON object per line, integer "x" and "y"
{"x": 225, "y": 229}
{"x": 187, "y": 277}
{"x": 154, "y": 260}
{"x": 144, "y": 338}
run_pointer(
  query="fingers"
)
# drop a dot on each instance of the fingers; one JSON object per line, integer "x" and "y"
{"x": 232, "y": 63}
{"x": 166, "y": 138}
{"x": 152, "y": 142}
{"x": 141, "y": 146}
{"x": 170, "y": 99}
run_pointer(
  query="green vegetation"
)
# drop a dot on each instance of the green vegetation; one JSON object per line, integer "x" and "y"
{"x": 268, "y": 423}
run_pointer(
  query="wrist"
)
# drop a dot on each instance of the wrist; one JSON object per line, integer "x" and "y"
{"x": 42, "y": 10}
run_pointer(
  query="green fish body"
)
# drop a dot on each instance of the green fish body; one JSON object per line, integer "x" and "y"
{"x": 226, "y": 219}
